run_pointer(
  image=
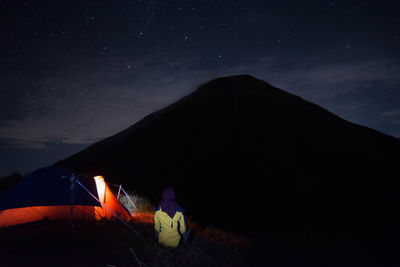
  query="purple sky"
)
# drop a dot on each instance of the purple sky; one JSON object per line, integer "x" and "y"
{"x": 74, "y": 72}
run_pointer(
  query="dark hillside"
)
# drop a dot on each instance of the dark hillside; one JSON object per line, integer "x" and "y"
{"x": 6, "y": 182}
{"x": 246, "y": 156}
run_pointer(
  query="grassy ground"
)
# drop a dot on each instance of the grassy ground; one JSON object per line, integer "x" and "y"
{"x": 51, "y": 243}
{"x": 111, "y": 243}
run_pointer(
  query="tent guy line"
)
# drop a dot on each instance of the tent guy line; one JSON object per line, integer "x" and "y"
{"x": 126, "y": 194}
{"x": 116, "y": 215}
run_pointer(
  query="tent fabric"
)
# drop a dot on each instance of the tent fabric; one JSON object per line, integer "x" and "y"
{"x": 110, "y": 201}
{"x": 49, "y": 186}
{"x": 17, "y": 216}
{"x": 47, "y": 194}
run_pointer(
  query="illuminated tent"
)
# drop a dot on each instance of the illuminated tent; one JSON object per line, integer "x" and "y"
{"x": 56, "y": 193}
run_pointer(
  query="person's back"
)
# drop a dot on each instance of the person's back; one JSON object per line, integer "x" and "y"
{"x": 169, "y": 220}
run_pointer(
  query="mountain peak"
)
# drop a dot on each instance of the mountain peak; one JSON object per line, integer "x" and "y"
{"x": 240, "y": 144}
{"x": 237, "y": 78}
{"x": 238, "y": 83}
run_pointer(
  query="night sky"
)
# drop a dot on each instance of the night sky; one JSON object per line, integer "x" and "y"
{"x": 75, "y": 72}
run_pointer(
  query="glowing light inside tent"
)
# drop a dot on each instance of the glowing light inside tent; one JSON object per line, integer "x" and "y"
{"x": 109, "y": 201}
{"x": 101, "y": 188}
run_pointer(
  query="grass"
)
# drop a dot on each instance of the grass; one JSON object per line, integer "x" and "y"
{"x": 143, "y": 211}
{"x": 55, "y": 243}
{"x": 111, "y": 243}
{"x": 199, "y": 251}
{"x": 206, "y": 246}
{"x": 135, "y": 203}
{"x": 209, "y": 246}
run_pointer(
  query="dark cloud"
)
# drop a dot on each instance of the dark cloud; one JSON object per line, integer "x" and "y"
{"x": 393, "y": 112}
{"x": 80, "y": 107}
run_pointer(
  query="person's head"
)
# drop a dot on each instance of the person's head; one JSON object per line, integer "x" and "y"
{"x": 168, "y": 194}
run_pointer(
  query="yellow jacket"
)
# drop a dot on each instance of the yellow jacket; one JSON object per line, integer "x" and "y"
{"x": 169, "y": 229}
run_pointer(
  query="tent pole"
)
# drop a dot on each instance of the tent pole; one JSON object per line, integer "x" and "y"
{"x": 119, "y": 191}
{"x": 126, "y": 194}
{"x": 72, "y": 199}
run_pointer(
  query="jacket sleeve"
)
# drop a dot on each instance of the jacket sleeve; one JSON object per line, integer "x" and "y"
{"x": 157, "y": 223}
{"x": 182, "y": 224}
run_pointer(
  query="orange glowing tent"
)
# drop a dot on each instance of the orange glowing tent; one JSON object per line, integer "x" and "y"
{"x": 56, "y": 193}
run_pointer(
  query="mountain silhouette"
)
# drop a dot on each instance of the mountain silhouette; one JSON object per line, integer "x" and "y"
{"x": 246, "y": 156}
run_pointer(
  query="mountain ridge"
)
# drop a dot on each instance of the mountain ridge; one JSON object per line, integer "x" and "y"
{"x": 241, "y": 136}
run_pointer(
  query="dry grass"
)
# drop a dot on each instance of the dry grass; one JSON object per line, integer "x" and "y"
{"x": 92, "y": 243}
{"x": 135, "y": 203}
{"x": 206, "y": 246}
{"x": 52, "y": 243}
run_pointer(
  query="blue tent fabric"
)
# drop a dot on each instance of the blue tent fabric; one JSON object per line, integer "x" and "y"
{"x": 49, "y": 186}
